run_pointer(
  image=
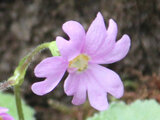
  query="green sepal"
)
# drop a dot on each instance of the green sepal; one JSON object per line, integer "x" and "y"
{"x": 54, "y": 49}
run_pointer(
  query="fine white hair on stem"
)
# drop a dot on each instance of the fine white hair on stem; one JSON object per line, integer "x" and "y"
{"x": 5, "y": 85}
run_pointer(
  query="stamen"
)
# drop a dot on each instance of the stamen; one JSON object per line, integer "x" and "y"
{"x": 80, "y": 62}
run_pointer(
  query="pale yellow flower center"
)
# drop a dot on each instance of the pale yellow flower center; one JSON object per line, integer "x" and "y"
{"x": 1, "y": 118}
{"x": 80, "y": 62}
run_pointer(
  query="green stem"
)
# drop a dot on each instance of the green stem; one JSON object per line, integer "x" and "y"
{"x": 29, "y": 57}
{"x": 20, "y": 71}
{"x": 18, "y": 102}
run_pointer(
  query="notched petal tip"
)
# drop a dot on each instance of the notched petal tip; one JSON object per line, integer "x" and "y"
{"x": 69, "y": 23}
{"x": 37, "y": 90}
{"x": 127, "y": 39}
{"x": 99, "y": 14}
{"x": 103, "y": 108}
{"x": 112, "y": 27}
{"x": 120, "y": 92}
{"x": 73, "y": 28}
{"x": 75, "y": 102}
{"x": 112, "y": 21}
{"x": 100, "y": 105}
{"x": 73, "y": 46}
{"x": 125, "y": 42}
{"x": 60, "y": 40}
{"x": 99, "y": 17}
{"x": 117, "y": 90}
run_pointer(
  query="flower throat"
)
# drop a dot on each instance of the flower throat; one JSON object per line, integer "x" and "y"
{"x": 80, "y": 62}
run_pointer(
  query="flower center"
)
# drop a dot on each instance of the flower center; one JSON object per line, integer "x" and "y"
{"x": 80, "y": 62}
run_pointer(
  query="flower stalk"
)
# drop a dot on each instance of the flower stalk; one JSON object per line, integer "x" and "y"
{"x": 19, "y": 74}
{"x": 30, "y": 56}
{"x": 18, "y": 102}
{"x": 5, "y": 85}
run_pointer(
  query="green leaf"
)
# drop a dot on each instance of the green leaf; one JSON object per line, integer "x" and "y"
{"x": 8, "y": 101}
{"x": 139, "y": 110}
{"x": 54, "y": 49}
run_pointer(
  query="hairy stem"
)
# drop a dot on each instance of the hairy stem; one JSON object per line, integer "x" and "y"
{"x": 5, "y": 85}
{"x": 30, "y": 56}
{"x": 18, "y": 102}
{"x": 20, "y": 74}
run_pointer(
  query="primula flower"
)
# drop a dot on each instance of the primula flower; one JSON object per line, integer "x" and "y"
{"x": 80, "y": 56}
{"x": 4, "y": 115}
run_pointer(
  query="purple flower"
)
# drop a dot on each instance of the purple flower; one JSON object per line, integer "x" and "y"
{"x": 4, "y": 115}
{"x": 80, "y": 56}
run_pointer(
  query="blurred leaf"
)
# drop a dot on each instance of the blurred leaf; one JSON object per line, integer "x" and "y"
{"x": 138, "y": 110}
{"x": 8, "y": 101}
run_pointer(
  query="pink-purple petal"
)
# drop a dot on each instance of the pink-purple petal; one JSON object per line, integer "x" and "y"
{"x": 95, "y": 36}
{"x": 96, "y": 95}
{"x": 52, "y": 69}
{"x": 46, "y": 86}
{"x": 6, "y": 116}
{"x": 79, "y": 96}
{"x": 109, "y": 41}
{"x": 112, "y": 32}
{"x": 100, "y": 41}
{"x": 48, "y": 66}
{"x": 108, "y": 79}
{"x": 74, "y": 30}
{"x": 70, "y": 84}
{"x": 67, "y": 49}
{"x": 3, "y": 110}
{"x": 119, "y": 51}
{"x": 75, "y": 85}
{"x": 76, "y": 33}
{"x": 63, "y": 46}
